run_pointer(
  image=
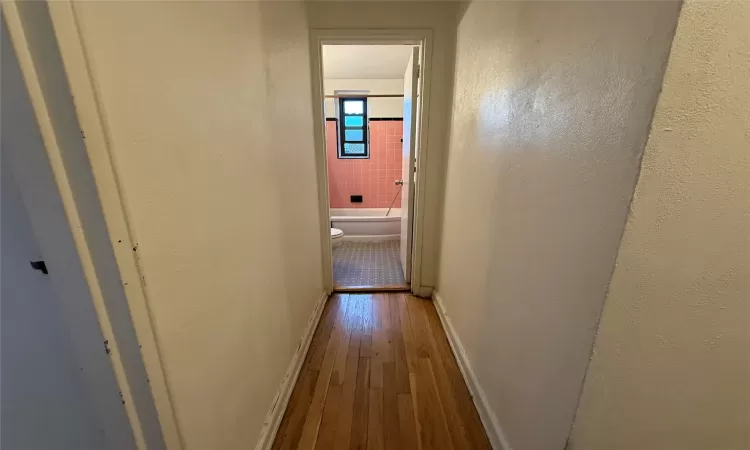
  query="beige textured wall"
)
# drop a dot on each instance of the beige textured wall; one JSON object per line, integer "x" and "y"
{"x": 550, "y": 115}
{"x": 440, "y": 17}
{"x": 207, "y": 106}
{"x": 671, "y": 365}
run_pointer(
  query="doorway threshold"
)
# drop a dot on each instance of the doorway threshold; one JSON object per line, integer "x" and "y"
{"x": 373, "y": 288}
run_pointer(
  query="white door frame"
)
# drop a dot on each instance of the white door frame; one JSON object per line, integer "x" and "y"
{"x": 416, "y": 36}
{"x": 53, "y": 25}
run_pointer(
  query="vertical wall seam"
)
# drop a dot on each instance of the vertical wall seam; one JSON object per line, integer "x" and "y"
{"x": 569, "y": 445}
{"x": 71, "y": 211}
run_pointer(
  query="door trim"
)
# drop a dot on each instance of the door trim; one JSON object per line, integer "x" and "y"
{"x": 416, "y": 36}
{"x": 63, "y": 27}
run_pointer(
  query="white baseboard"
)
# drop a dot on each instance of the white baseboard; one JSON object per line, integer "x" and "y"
{"x": 372, "y": 237}
{"x": 273, "y": 419}
{"x": 489, "y": 420}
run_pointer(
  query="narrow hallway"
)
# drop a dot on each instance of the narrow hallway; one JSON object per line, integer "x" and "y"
{"x": 380, "y": 374}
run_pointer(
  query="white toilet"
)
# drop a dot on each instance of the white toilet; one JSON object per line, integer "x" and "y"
{"x": 337, "y": 237}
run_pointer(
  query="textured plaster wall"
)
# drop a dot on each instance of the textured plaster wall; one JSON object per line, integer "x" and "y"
{"x": 671, "y": 364}
{"x": 550, "y": 115}
{"x": 207, "y": 106}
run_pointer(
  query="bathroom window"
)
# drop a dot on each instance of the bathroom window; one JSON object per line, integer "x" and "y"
{"x": 353, "y": 139}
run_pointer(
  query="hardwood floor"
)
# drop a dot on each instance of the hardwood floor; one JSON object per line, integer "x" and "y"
{"x": 380, "y": 374}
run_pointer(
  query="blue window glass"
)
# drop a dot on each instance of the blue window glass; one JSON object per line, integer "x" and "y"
{"x": 353, "y": 135}
{"x": 353, "y": 128}
{"x": 354, "y": 121}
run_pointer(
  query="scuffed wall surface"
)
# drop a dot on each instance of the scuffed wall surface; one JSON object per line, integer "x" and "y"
{"x": 671, "y": 364}
{"x": 208, "y": 110}
{"x": 550, "y": 115}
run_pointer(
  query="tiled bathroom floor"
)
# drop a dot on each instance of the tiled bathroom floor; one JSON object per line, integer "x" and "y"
{"x": 359, "y": 264}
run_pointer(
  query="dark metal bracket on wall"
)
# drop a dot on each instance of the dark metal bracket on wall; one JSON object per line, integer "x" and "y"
{"x": 40, "y": 266}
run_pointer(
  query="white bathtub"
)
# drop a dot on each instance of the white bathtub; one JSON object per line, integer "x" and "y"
{"x": 367, "y": 224}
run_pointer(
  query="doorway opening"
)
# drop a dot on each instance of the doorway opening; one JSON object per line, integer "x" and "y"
{"x": 371, "y": 109}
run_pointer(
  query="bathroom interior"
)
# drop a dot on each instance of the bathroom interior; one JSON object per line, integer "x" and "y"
{"x": 364, "y": 109}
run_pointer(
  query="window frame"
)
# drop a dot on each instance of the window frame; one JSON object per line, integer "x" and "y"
{"x": 342, "y": 127}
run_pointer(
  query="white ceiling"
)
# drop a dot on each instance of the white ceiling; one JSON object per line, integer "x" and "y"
{"x": 365, "y": 61}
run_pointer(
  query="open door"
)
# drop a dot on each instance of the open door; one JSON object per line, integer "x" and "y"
{"x": 408, "y": 154}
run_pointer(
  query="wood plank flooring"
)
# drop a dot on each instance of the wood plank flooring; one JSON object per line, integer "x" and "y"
{"x": 380, "y": 375}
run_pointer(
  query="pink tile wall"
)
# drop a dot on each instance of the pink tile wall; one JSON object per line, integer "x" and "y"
{"x": 372, "y": 178}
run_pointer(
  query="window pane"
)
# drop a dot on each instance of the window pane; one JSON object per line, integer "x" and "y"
{"x": 354, "y": 149}
{"x": 353, "y": 135}
{"x": 354, "y": 121}
{"x": 354, "y": 107}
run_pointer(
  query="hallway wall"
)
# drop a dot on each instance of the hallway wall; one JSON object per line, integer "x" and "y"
{"x": 550, "y": 116}
{"x": 211, "y": 138}
{"x": 672, "y": 354}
